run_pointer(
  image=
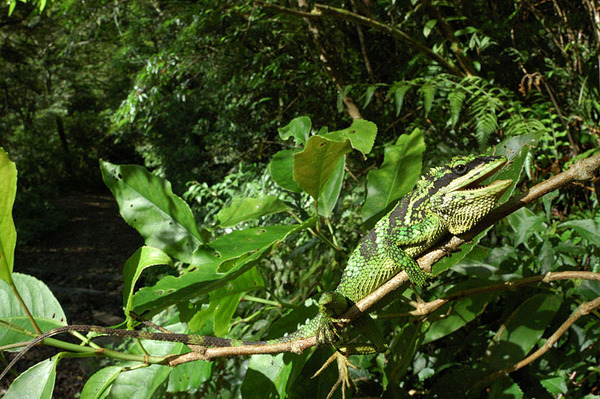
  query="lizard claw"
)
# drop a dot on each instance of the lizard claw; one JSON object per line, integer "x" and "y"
{"x": 344, "y": 379}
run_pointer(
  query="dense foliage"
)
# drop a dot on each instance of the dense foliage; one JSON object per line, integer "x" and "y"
{"x": 208, "y": 94}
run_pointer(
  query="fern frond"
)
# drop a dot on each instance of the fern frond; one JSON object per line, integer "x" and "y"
{"x": 486, "y": 123}
{"x": 456, "y": 99}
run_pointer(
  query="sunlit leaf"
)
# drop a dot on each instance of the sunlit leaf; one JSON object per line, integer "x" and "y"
{"x": 315, "y": 165}
{"x": 142, "y": 259}
{"x": 98, "y": 385}
{"x": 40, "y": 301}
{"x": 8, "y": 234}
{"x": 298, "y": 128}
{"x": 281, "y": 169}
{"x": 397, "y": 175}
{"x": 243, "y": 209}
{"x": 148, "y": 204}
{"x": 35, "y": 383}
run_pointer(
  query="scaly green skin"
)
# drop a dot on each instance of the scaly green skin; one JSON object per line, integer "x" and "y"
{"x": 444, "y": 200}
{"x": 440, "y": 203}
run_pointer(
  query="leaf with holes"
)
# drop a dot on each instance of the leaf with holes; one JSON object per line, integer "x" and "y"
{"x": 148, "y": 204}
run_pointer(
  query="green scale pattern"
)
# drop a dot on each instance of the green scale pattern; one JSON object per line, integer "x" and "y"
{"x": 446, "y": 199}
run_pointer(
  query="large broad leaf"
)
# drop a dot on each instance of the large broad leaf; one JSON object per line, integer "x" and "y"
{"x": 526, "y": 223}
{"x": 140, "y": 383}
{"x": 243, "y": 209}
{"x": 274, "y": 376}
{"x": 298, "y": 128}
{"x": 331, "y": 190}
{"x": 142, "y": 259}
{"x": 148, "y": 204}
{"x": 40, "y": 301}
{"x": 8, "y": 234}
{"x": 189, "y": 376}
{"x": 521, "y": 331}
{"x": 315, "y": 165}
{"x": 227, "y": 257}
{"x": 397, "y": 175}
{"x": 361, "y": 134}
{"x": 281, "y": 169}
{"x": 35, "y": 383}
{"x": 98, "y": 385}
{"x": 455, "y": 315}
{"x": 148, "y": 382}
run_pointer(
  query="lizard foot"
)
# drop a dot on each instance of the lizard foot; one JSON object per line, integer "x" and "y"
{"x": 448, "y": 251}
{"x": 344, "y": 379}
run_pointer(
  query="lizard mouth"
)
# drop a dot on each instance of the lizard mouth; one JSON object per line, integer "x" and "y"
{"x": 476, "y": 184}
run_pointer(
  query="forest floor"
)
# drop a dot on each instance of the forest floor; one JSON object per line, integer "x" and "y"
{"x": 82, "y": 263}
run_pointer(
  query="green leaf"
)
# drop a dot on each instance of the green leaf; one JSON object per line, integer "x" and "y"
{"x": 556, "y": 385}
{"x": 399, "y": 97}
{"x": 243, "y": 209}
{"x": 448, "y": 261}
{"x": 522, "y": 330}
{"x": 224, "y": 302}
{"x": 142, "y": 259}
{"x": 40, "y": 301}
{"x": 148, "y": 204}
{"x": 456, "y": 100}
{"x": 98, "y": 385}
{"x": 189, "y": 376}
{"x": 486, "y": 122}
{"x": 361, "y": 134}
{"x": 369, "y": 95}
{"x": 331, "y": 190}
{"x": 35, "y": 383}
{"x": 281, "y": 169}
{"x": 315, "y": 165}
{"x": 140, "y": 383}
{"x": 299, "y": 128}
{"x": 227, "y": 257}
{"x": 428, "y": 27}
{"x": 526, "y": 223}
{"x": 8, "y": 233}
{"x": 455, "y": 315}
{"x": 427, "y": 94}
{"x": 589, "y": 229}
{"x": 397, "y": 175}
{"x": 270, "y": 375}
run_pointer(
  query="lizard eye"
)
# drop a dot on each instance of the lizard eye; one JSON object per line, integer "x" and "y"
{"x": 460, "y": 169}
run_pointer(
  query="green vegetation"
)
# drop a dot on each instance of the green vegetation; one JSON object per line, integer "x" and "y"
{"x": 234, "y": 137}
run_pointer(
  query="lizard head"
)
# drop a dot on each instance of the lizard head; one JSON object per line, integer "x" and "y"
{"x": 455, "y": 193}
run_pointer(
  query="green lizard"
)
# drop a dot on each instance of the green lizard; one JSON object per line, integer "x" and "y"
{"x": 446, "y": 199}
